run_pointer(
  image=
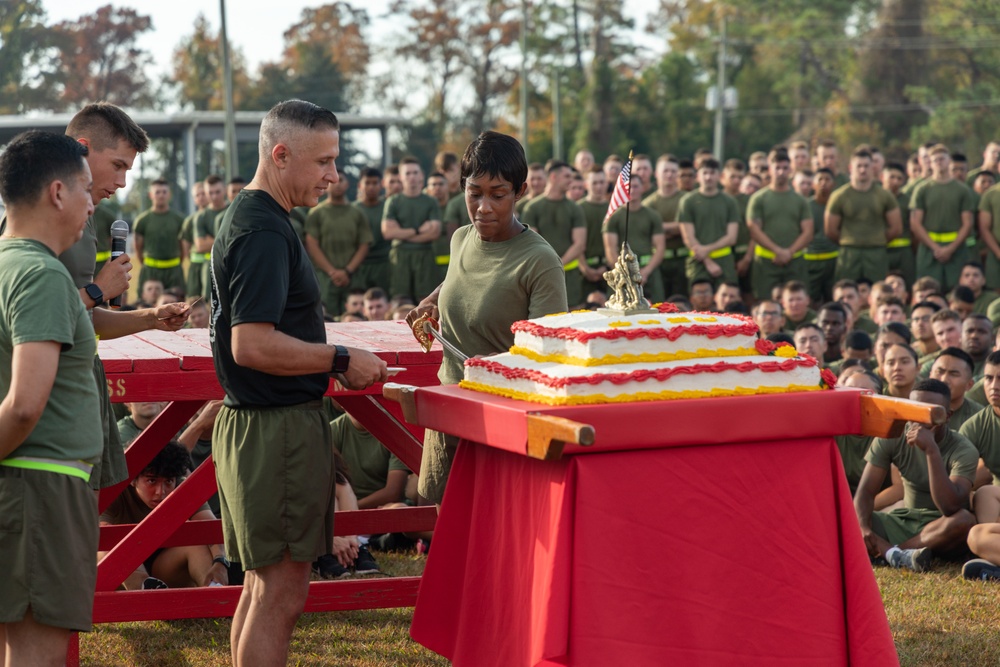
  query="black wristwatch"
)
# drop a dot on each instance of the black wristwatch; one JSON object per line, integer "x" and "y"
{"x": 223, "y": 560}
{"x": 95, "y": 293}
{"x": 341, "y": 360}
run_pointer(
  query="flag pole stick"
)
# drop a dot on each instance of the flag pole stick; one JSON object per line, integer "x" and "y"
{"x": 628, "y": 203}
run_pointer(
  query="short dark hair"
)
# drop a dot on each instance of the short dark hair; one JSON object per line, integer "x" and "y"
{"x": 993, "y": 358}
{"x": 444, "y": 161}
{"x": 35, "y": 159}
{"x": 794, "y": 286}
{"x": 239, "y": 180}
{"x": 809, "y": 325}
{"x": 913, "y": 353}
{"x": 376, "y": 294}
{"x": 959, "y": 157}
{"x": 858, "y": 340}
{"x": 926, "y": 304}
{"x": 686, "y": 164}
{"x": 213, "y": 179}
{"x": 777, "y": 155}
{"x": 963, "y": 294}
{"x": 897, "y": 328}
{"x": 172, "y": 462}
{"x": 780, "y": 337}
{"x": 976, "y": 265}
{"x": 894, "y": 166}
{"x": 371, "y": 172}
{"x": 708, "y": 163}
{"x": 934, "y": 387}
{"x": 409, "y": 159}
{"x": 160, "y": 181}
{"x": 554, "y": 165}
{"x": 834, "y": 306}
{"x": 827, "y": 171}
{"x": 495, "y": 155}
{"x": 958, "y": 353}
{"x": 735, "y": 164}
{"x": 104, "y": 125}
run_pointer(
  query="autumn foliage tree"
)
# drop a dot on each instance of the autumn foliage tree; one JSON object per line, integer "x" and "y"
{"x": 197, "y": 65}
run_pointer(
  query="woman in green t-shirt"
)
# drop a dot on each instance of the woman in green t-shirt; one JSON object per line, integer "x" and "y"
{"x": 500, "y": 272}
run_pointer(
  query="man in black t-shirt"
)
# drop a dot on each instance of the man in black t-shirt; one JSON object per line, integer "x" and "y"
{"x": 272, "y": 442}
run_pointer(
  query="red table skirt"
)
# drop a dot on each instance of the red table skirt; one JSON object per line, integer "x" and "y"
{"x": 735, "y": 554}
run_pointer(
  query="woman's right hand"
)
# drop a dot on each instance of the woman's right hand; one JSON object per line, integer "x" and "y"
{"x": 426, "y": 307}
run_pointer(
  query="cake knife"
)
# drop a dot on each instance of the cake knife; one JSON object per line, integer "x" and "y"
{"x": 445, "y": 343}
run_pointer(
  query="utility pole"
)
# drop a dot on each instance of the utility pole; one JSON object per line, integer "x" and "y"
{"x": 557, "y": 143}
{"x": 232, "y": 155}
{"x": 524, "y": 75}
{"x": 718, "y": 146}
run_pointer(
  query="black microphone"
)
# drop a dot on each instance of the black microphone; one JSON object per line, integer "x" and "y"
{"x": 119, "y": 233}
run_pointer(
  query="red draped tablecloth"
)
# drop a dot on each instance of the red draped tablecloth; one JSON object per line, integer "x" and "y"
{"x": 745, "y": 553}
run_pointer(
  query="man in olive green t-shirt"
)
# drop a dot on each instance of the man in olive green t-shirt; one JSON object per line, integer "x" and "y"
{"x": 192, "y": 281}
{"x": 337, "y": 240}
{"x": 900, "y": 249}
{"x": 781, "y": 225}
{"x": 595, "y": 208}
{"x": 938, "y": 467}
{"x": 412, "y": 221}
{"x": 989, "y": 232}
{"x": 645, "y": 238}
{"x": 941, "y": 212}
{"x": 709, "y": 222}
{"x": 377, "y": 475}
{"x": 821, "y": 253}
{"x": 205, "y": 224}
{"x": 862, "y": 217}
{"x": 157, "y": 240}
{"x": 560, "y": 221}
{"x": 991, "y": 161}
{"x": 666, "y": 201}
{"x": 375, "y": 270}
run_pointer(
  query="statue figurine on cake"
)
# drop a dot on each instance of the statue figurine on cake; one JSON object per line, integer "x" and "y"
{"x": 625, "y": 281}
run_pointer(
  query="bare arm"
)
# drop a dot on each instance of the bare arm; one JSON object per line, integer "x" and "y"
{"x": 610, "y": 246}
{"x": 659, "y": 247}
{"x": 831, "y": 225}
{"x": 204, "y": 243}
{"x": 140, "y": 242}
{"x": 917, "y": 229}
{"x": 864, "y": 504}
{"x": 115, "y": 323}
{"x": 113, "y": 280}
{"x": 429, "y": 231}
{"x": 805, "y": 236}
{"x": 317, "y": 256}
{"x": 893, "y": 224}
{"x": 392, "y": 231}
{"x": 33, "y": 372}
{"x": 986, "y": 232}
{"x": 258, "y": 345}
{"x": 575, "y": 251}
{"x": 950, "y": 494}
{"x": 395, "y": 484}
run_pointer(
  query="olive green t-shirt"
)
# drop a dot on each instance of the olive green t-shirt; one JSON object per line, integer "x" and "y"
{"x": 904, "y": 211}
{"x": 410, "y": 213}
{"x": 128, "y": 430}
{"x": 456, "y": 212}
{"x": 852, "y": 450}
{"x": 129, "y": 508}
{"x": 594, "y": 215}
{"x": 667, "y": 207}
{"x": 340, "y": 229}
{"x": 367, "y": 459}
{"x": 911, "y": 185}
{"x": 40, "y": 303}
{"x": 959, "y": 455}
{"x": 516, "y": 279}
{"x": 965, "y": 412}
{"x": 81, "y": 259}
{"x": 943, "y": 204}
{"x": 643, "y": 225}
{"x": 709, "y": 215}
{"x": 104, "y": 217}
{"x": 990, "y": 203}
{"x": 983, "y": 431}
{"x": 160, "y": 232}
{"x": 187, "y": 229}
{"x": 780, "y": 214}
{"x": 206, "y": 223}
{"x": 743, "y": 235}
{"x": 523, "y": 203}
{"x": 555, "y": 221}
{"x": 862, "y": 215}
{"x": 378, "y": 251}
{"x": 820, "y": 243}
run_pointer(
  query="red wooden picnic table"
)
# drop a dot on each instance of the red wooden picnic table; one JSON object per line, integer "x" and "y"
{"x": 178, "y": 368}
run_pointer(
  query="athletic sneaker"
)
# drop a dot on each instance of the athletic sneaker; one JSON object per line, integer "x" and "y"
{"x": 365, "y": 563}
{"x": 328, "y": 567}
{"x": 981, "y": 569}
{"x": 152, "y": 584}
{"x": 918, "y": 560}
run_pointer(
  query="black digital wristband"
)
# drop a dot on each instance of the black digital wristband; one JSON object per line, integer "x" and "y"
{"x": 341, "y": 359}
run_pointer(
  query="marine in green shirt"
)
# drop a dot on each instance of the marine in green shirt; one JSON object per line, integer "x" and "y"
{"x": 595, "y": 208}
{"x": 375, "y": 270}
{"x": 709, "y": 223}
{"x": 862, "y": 218}
{"x": 941, "y": 212}
{"x": 560, "y": 221}
{"x": 983, "y": 428}
{"x": 991, "y": 160}
{"x": 821, "y": 253}
{"x": 989, "y": 232}
{"x": 337, "y": 240}
{"x": 377, "y": 475}
{"x": 938, "y": 513}
{"x": 955, "y": 367}
{"x": 157, "y": 240}
{"x": 206, "y": 228}
{"x": 412, "y": 221}
{"x": 900, "y": 249}
{"x": 781, "y": 225}
{"x": 192, "y": 279}
{"x": 666, "y": 201}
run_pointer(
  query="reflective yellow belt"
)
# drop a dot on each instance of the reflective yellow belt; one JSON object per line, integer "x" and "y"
{"x": 442, "y": 260}
{"x": 161, "y": 263}
{"x": 595, "y": 261}
{"x": 721, "y": 252}
{"x": 104, "y": 256}
{"x": 899, "y": 243}
{"x": 821, "y": 256}
{"x": 80, "y": 469}
{"x": 970, "y": 241}
{"x": 678, "y": 253}
{"x": 644, "y": 259}
{"x": 945, "y": 237}
{"x": 575, "y": 264}
{"x": 761, "y": 251}
{"x": 200, "y": 257}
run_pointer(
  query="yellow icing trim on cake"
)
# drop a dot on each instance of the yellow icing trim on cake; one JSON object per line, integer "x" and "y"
{"x": 555, "y": 314}
{"x": 619, "y": 323}
{"x": 645, "y": 357}
{"x": 706, "y": 319}
{"x": 786, "y": 351}
{"x": 678, "y": 320}
{"x": 649, "y": 322}
{"x": 591, "y": 399}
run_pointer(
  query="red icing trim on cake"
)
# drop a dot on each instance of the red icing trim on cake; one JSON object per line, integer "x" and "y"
{"x": 660, "y": 375}
{"x": 747, "y": 328}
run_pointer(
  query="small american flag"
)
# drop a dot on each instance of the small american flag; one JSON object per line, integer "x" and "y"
{"x": 623, "y": 191}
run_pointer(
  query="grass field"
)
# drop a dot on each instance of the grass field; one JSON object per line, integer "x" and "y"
{"x": 938, "y": 620}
